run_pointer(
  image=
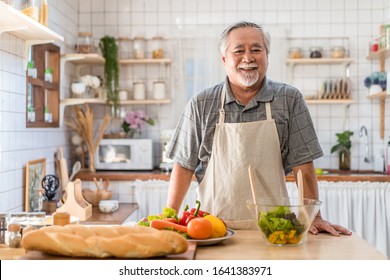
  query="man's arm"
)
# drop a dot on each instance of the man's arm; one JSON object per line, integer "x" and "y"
{"x": 179, "y": 184}
{"x": 310, "y": 190}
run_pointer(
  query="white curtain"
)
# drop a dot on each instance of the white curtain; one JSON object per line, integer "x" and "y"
{"x": 363, "y": 207}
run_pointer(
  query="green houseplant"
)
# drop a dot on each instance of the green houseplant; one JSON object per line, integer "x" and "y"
{"x": 343, "y": 146}
{"x": 109, "y": 50}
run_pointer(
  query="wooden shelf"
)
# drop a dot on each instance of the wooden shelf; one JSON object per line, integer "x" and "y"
{"x": 24, "y": 27}
{"x": 88, "y": 59}
{"x": 293, "y": 61}
{"x": 330, "y": 101}
{"x": 97, "y": 59}
{"x": 379, "y": 55}
{"x": 81, "y": 101}
{"x": 380, "y": 95}
{"x": 146, "y": 61}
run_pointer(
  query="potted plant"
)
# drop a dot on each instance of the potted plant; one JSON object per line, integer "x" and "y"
{"x": 343, "y": 146}
{"x": 109, "y": 50}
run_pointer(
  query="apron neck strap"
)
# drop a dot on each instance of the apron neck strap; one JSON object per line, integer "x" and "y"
{"x": 221, "y": 110}
{"x": 268, "y": 110}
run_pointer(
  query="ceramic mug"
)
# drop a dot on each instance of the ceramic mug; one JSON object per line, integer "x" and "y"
{"x": 108, "y": 206}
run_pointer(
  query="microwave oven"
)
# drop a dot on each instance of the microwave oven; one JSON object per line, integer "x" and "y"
{"x": 124, "y": 154}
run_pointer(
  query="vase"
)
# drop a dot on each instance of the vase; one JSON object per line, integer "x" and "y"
{"x": 133, "y": 133}
{"x": 345, "y": 159}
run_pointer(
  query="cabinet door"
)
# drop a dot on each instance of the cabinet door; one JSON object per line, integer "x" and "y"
{"x": 43, "y": 84}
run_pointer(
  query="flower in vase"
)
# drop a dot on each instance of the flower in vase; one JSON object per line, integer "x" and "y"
{"x": 134, "y": 121}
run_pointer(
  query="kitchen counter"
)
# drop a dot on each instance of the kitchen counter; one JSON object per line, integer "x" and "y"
{"x": 117, "y": 217}
{"x": 333, "y": 175}
{"x": 247, "y": 245}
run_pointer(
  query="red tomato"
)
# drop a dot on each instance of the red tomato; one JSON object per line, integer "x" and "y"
{"x": 200, "y": 228}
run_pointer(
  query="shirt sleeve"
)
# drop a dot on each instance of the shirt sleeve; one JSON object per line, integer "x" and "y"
{"x": 303, "y": 144}
{"x": 185, "y": 143}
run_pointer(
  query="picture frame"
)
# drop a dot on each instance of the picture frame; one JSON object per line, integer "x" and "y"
{"x": 35, "y": 171}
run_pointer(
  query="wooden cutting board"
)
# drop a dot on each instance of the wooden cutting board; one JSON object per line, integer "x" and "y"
{"x": 37, "y": 255}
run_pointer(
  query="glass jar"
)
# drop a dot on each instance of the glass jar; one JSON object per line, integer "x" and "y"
{"x": 158, "y": 90}
{"x": 84, "y": 42}
{"x": 316, "y": 52}
{"x": 3, "y": 227}
{"x": 31, "y": 9}
{"x": 157, "y": 47}
{"x": 14, "y": 236}
{"x": 337, "y": 52}
{"x": 36, "y": 219}
{"x": 139, "y": 47}
{"x": 18, "y": 218}
{"x": 295, "y": 52}
{"x": 139, "y": 91}
{"x": 124, "y": 45}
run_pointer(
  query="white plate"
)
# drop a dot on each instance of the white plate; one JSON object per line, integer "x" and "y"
{"x": 211, "y": 241}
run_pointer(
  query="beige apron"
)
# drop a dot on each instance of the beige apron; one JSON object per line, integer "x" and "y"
{"x": 225, "y": 187}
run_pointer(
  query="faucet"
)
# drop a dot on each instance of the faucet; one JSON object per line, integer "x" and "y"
{"x": 364, "y": 129}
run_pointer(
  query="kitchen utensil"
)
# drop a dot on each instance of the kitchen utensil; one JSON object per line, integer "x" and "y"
{"x": 75, "y": 169}
{"x": 64, "y": 175}
{"x": 75, "y": 203}
{"x": 50, "y": 184}
{"x": 251, "y": 180}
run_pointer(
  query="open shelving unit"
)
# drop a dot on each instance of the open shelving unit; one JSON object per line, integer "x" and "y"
{"x": 24, "y": 27}
{"x": 380, "y": 56}
{"x": 95, "y": 59}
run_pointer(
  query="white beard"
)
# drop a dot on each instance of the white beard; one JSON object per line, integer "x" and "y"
{"x": 248, "y": 79}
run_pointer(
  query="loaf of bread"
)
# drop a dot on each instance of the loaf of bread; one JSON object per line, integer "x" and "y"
{"x": 105, "y": 241}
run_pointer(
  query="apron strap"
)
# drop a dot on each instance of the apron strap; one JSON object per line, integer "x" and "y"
{"x": 268, "y": 110}
{"x": 222, "y": 111}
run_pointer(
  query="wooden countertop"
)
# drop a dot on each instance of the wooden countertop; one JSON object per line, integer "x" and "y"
{"x": 115, "y": 218}
{"x": 247, "y": 245}
{"x": 333, "y": 175}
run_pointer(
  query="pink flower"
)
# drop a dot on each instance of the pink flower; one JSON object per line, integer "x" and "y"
{"x": 135, "y": 120}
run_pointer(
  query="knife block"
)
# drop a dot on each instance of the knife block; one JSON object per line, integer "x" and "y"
{"x": 75, "y": 203}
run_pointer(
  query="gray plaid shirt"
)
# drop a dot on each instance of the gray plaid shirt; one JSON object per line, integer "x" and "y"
{"x": 192, "y": 141}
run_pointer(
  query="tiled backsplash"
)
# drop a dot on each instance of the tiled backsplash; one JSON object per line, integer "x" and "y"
{"x": 359, "y": 20}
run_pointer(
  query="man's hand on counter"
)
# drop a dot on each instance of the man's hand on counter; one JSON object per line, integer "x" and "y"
{"x": 320, "y": 225}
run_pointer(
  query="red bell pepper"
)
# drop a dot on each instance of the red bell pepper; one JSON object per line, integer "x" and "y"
{"x": 193, "y": 213}
{"x": 184, "y": 216}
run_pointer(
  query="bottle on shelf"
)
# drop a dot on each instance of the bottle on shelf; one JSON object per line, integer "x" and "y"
{"x": 44, "y": 13}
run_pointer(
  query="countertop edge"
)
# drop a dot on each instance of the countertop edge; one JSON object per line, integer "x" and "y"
{"x": 165, "y": 176}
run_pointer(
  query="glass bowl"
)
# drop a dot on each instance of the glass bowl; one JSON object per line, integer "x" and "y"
{"x": 283, "y": 221}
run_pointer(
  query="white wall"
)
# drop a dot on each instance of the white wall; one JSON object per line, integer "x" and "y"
{"x": 359, "y": 20}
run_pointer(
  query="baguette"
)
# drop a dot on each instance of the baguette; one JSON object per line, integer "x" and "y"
{"x": 103, "y": 241}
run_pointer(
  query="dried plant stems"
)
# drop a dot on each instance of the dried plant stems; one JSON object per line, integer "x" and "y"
{"x": 83, "y": 125}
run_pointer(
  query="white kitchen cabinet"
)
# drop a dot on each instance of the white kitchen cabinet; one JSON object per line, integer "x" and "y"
{"x": 24, "y": 27}
{"x": 94, "y": 59}
{"x": 315, "y": 97}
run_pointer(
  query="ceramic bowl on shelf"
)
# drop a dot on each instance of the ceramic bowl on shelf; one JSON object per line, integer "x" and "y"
{"x": 283, "y": 221}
